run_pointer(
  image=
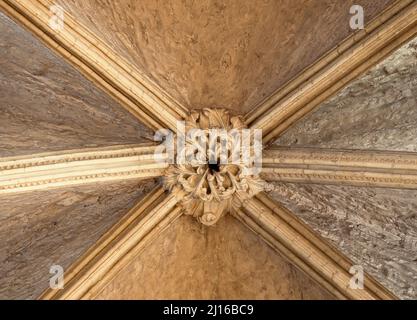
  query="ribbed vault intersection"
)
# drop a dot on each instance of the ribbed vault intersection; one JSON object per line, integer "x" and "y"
{"x": 142, "y": 97}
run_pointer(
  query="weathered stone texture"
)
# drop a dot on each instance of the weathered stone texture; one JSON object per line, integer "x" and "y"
{"x": 227, "y": 261}
{"x": 228, "y": 54}
{"x": 377, "y": 111}
{"x": 46, "y": 105}
{"x": 41, "y": 229}
{"x": 376, "y": 228}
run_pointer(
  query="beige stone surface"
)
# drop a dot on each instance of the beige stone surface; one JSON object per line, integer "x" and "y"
{"x": 376, "y": 111}
{"x": 46, "y": 105}
{"x": 220, "y": 53}
{"x": 227, "y": 54}
{"x": 376, "y": 228}
{"x": 41, "y": 229}
{"x": 227, "y": 261}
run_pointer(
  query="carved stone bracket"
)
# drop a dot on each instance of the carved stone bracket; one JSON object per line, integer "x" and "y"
{"x": 214, "y": 178}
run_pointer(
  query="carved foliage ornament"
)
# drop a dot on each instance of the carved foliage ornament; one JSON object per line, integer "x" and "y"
{"x": 217, "y": 165}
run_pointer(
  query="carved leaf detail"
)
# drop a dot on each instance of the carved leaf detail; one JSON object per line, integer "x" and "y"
{"x": 209, "y": 193}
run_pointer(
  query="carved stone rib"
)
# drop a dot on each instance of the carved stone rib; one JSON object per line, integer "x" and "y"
{"x": 292, "y": 238}
{"x": 144, "y": 222}
{"x": 74, "y": 167}
{"x": 357, "y": 54}
{"x": 349, "y": 167}
{"x": 138, "y": 94}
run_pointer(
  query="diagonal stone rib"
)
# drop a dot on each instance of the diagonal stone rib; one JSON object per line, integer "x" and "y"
{"x": 137, "y": 93}
{"x": 142, "y": 224}
{"x": 354, "y": 56}
{"x": 74, "y": 167}
{"x": 389, "y": 169}
{"x": 307, "y": 251}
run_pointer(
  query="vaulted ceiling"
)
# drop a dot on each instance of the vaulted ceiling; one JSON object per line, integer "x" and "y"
{"x": 193, "y": 55}
{"x": 48, "y": 105}
{"x": 372, "y": 226}
{"x": 375, "y": 112}
{"x": 228, "y": 54}
{"x": 226, "y": 262}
